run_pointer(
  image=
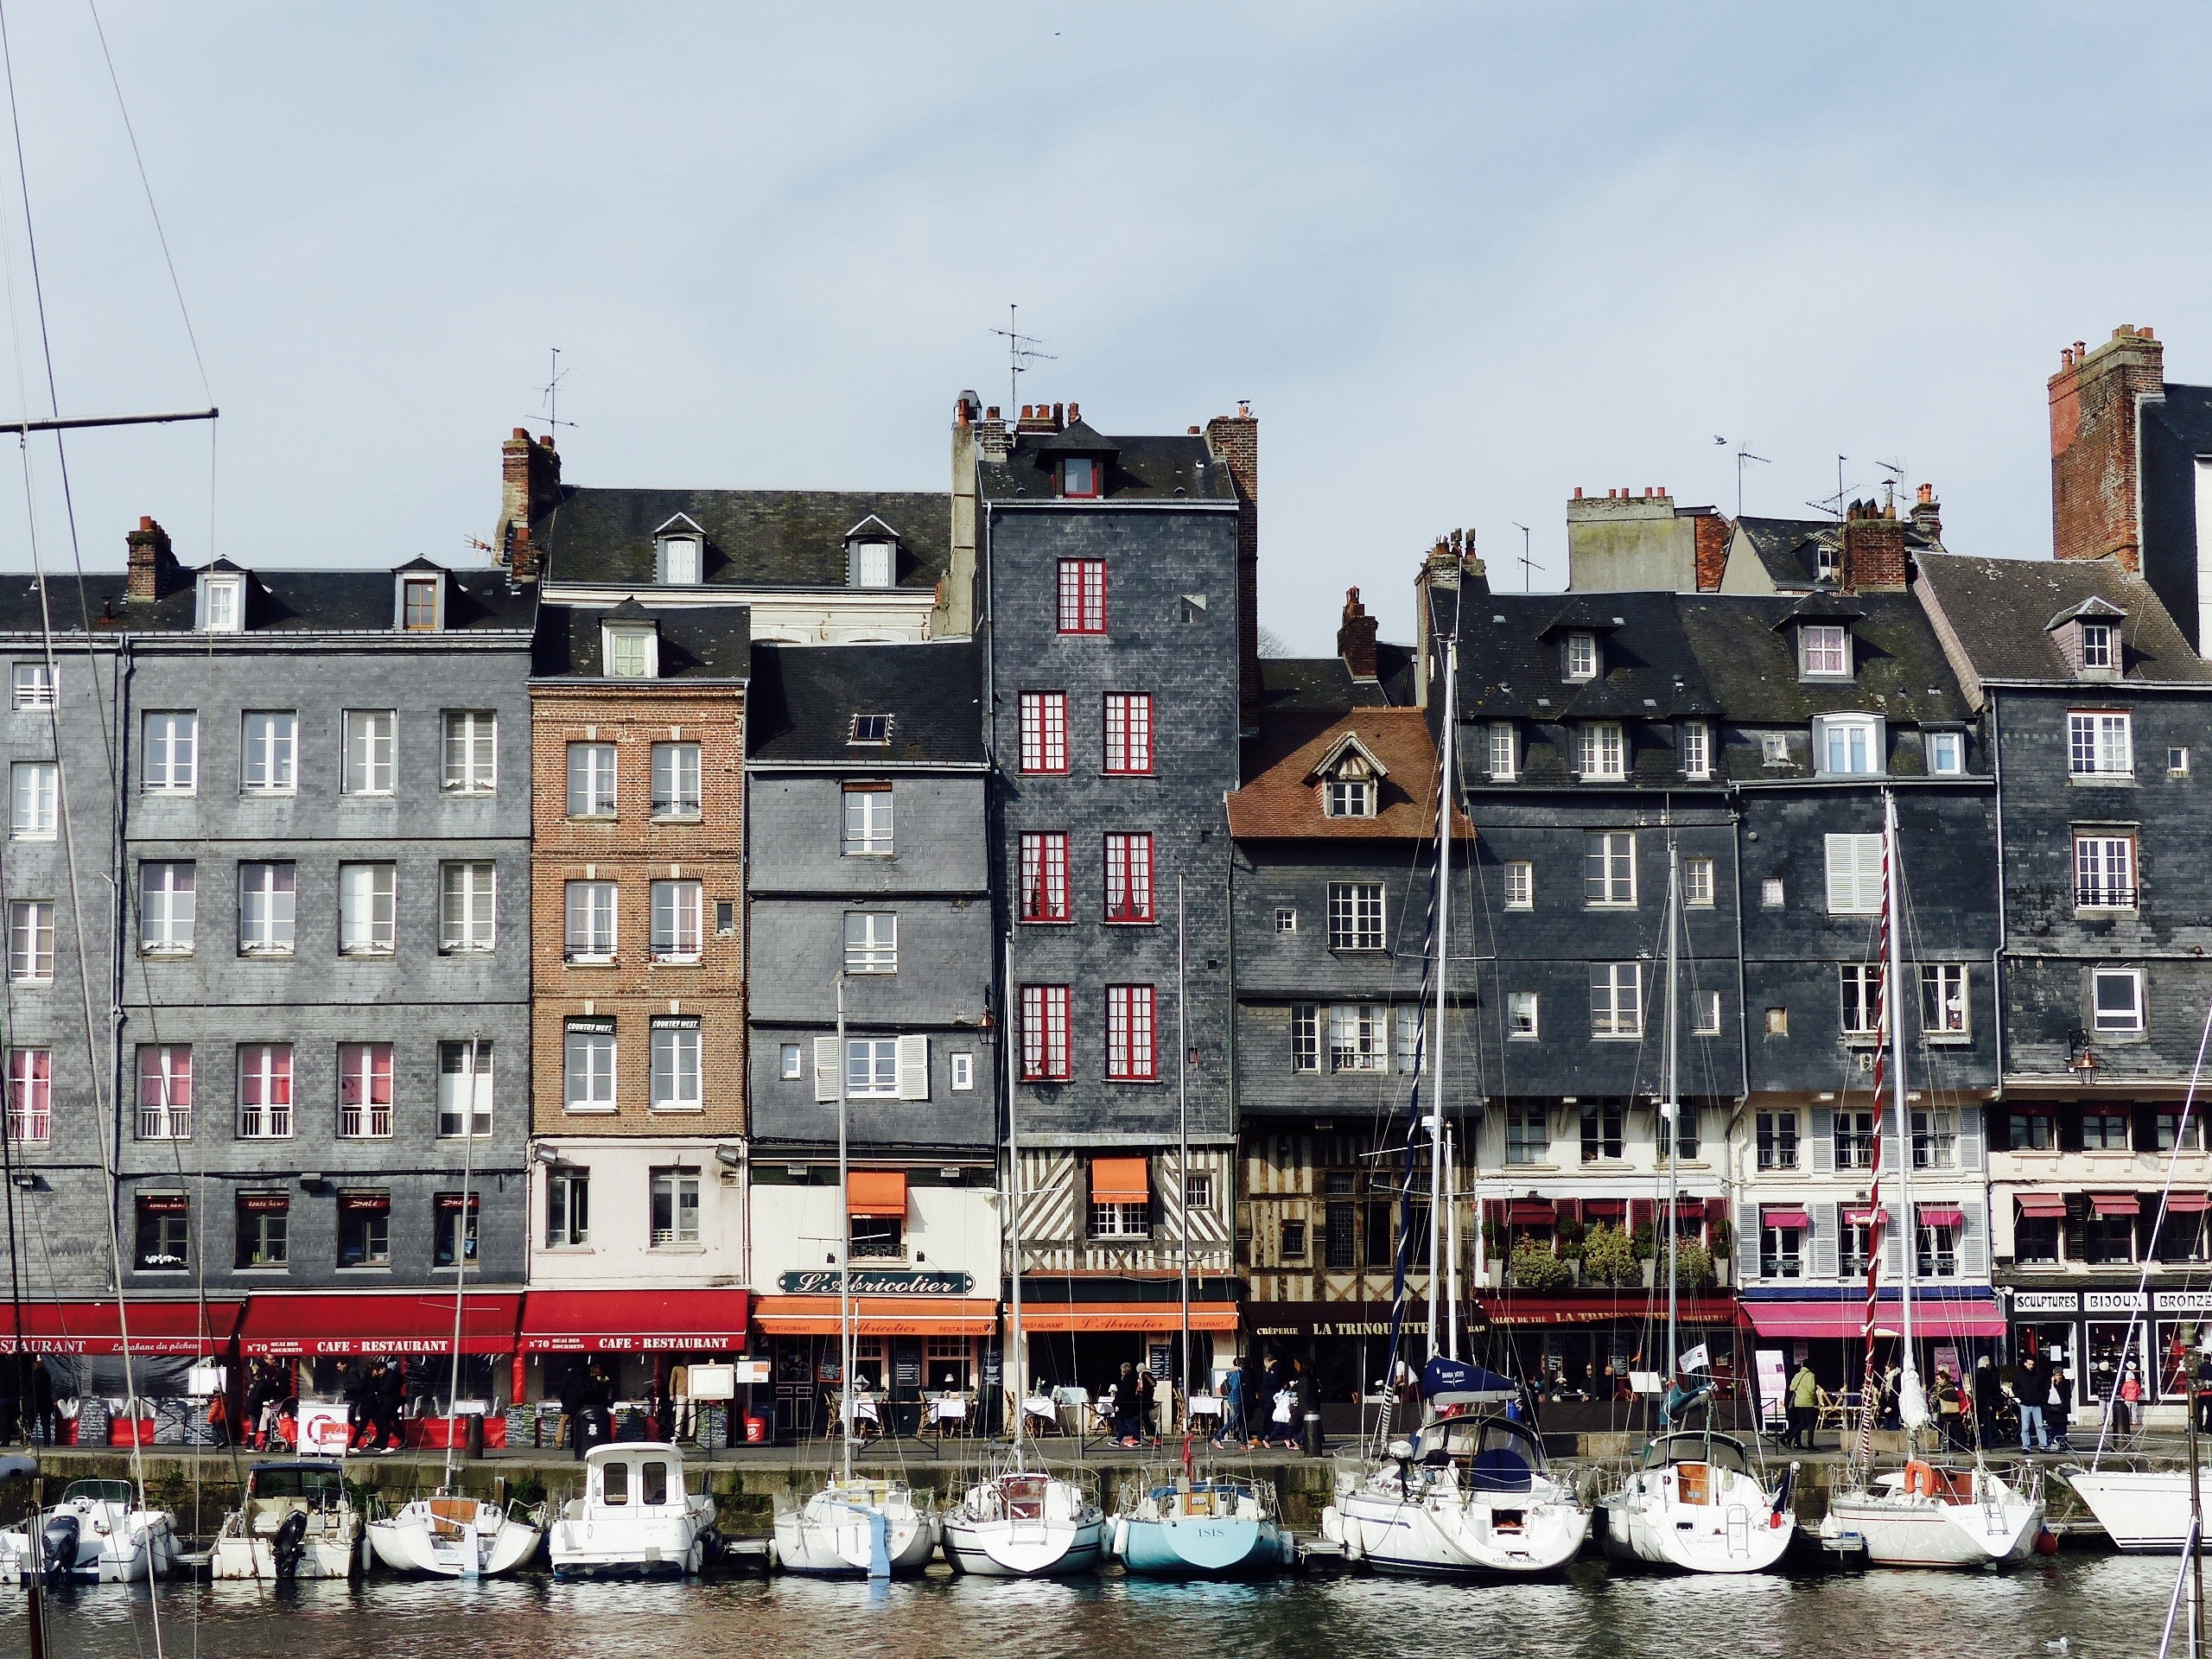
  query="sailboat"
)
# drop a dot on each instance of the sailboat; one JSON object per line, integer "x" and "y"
{"x": 1928, "y": 1514}
{"x": 867, "y": 1526}
{"x": 1694, "y": 1501}
{"x": 1017, "y": 1522}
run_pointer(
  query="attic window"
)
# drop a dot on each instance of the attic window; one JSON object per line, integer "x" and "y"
{"x": 2098, "y": 645}
{"x": 1080, "y": 477}
{"x": 1824, "y": 650}
{"x": 418, "y": 604}
{"x": 871, "y": 728}
{"x": 1826, "y": 563}
{"x": 631, "y": 651}
{"x": 1348, "y": 797}
{"x": 222, "y": 604}
{"x": 1581, "y": 656}
{"x": 869, "y": 563}
{"x": 679, "y": 561}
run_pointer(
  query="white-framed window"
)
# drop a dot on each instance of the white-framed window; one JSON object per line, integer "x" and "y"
{"x": 679, "y": 561}
{"x": 1943, "y": 1000}
{"x": 1697, "y": 882}
{"x": 270, "y": 763}
{"x": 791, "y": 1063}
{"x": 1527, "y": 1132}
{"x": 265, "y": 1091}
{"x": 588, "y": 1065}
{"x": 591, "y": 932}
{"x": 1946, "y": 753}
{"x": 1824, "y": 650}
{"x": 1849, "y": 746}
{"x": 2117, "y": 1000}
{"x": 1777, "y": 1135}
{"x": 630, "y": 651}
{"x": 871, "y": 1068}
{"x": 1609, "y": 867}
{"x": 1774, "y": 748}
{"x": 171, "y": 765}
{"x": 222, "y": 604}
{"x": 364, "y": 1090}
{"x": 2099, "y": 743}
{"x": 372, "y": 751}
{"x": 1120, "y": 1220}
{"x": 1521, "y": 1015}
{"x": 1936, "y": 1140}
{"x": 165, "y": 908}
{"x": 1770, "y": 893}
{"x": 870, "y": 564}
{"x": 35, "y": 813}
{"x": 472, "y": 751}
{"x": 2097, "y": 645}
{"x": 1616, "y": 999}
{"x": 2104, "y": 870}
{"x": 1862, "y": 999}
{"x": 1854, "y": 869}
{"x": 675, "y": 1064}
{"x": 1306, "y": 1037}
{"x": 1348, "y": 798}
{"x": 1697, "y": 749}
{"x": 1355, "y": 916}
{"x": 567, "y": 1208}
{"x": 30, "y": 1096}
{"x": 963, "y": 1071}
{"x": 591, "y": 780}
{"x": 33, "y": 686}
{"x": 165, "y": 1091}
{"x": 1359, "y": 1038}
{"x": 871, "y": 942}
{"x": 1781, "y": 1244}
{"x": 674, "y": 1208}
{"x": 1581, "y": 656}
{"x": 30, "y": 941}
{"x": 1520, "y": 884}
{"x": 1408, "y": 1023}
{"x": 1600, "y": 750}
{"x": 367, "y": 910}
{"x": 676, "y": 780}
{"x": 1504, "y": 752}
{"x": 679, "y": 920}
{"x": 868, "y": 821}
{"x": 1285, "y": 918}
{"x": 1704, "y": 1014}
{"x": 266, "y": 909}
{"x": 468, "y": 907}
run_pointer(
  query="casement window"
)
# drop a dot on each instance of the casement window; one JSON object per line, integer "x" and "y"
{"x": 871, "y": 564}
{"x": 266, "y": 909}
{"x": 363, "y": 1229}
{"x": 265, "y": 1091}
{"x": 2030, "y": 1129}
{"x": 270, "y": 763}
{"x": 222, "y": 604}
{"x": 32, "y": 686}
{"x": 871, "y": 942}
{"x": 1697, "y": 749}
{"x": 872, "y": 1068}
{"x": 1849, "y": 746}
{"x": 1504, "y": 752}
{"x": 1080, "y": 477}
{"x": 1600, "y": 750}
{"x": 1304, "y": 1037}
{"x": 679, "y": 920}
{"x": 1045, "y": 877}
{"x": 591, "y": 908}
{"x": 2177, "y": 762}
{"x": 1355, "y": 916}
{"x": 676, "y": 780}
{"x": 1521, "y": 1011}
{"x": 1943, "y": 1000}
{"x": 1854, "y": 871}
{"x": 1359, "y": 1037}
{"x": 164, "y": 1242}
{"x": 591, "y": 780}
{"x": 2097, "y": 645}
{"x": 2104, "y": 870}
{"x": 1824, "y": 650}
{"x": 464, "y": 1089}
{"x": 1609, "y": 867}
{"x": 1704, "y": 1014}
{"x": 165, "y": 909}
{"x": 1409, "y": 1025}
{"x": 1947, "y": 753}
{"x": 1044, "y": 1047}
{"x": 1129, "y": 878}
{"x": 171, "y": 765}
{"x": 1852, "y": 1138}
{"x": 1778, "y": 1139}
{"x": 1520, "y": 884}
{"x": 1770, "y": 893}
{"x": 2117, "y": 1000}
{"x": 1121, "y": 1221}
{"x": 868, "y": 821}
{"x": 567, "y": 1208}
{"x": 35, "y": 809}
{"x": 630, "y": 652}
{"x": 30, "y": 942}
{"x": 791, "y": 1063}
{"x": 1774, "y": 748}
{"x": 265, "y": 1237}
{"x": 1348, "y": 798}
{"x": 588, "y": 1065}
{"x": 1083, "y": 595}
{"x": 1527, "y": 1132}
{"x": 1044, "y": 731}
{"x": 675, "y": 1208}
{"x": 468, "y": 903}
{"x": 453, "y": 1223}
{"x": 367, "y": 910}
{"x": 679, "y": 561}
{"x": 2170, "y": 1132}
{"x": 418, "y": 604}
{"x": 1130, "y": 1052}
{"x": 372, "y": 750}
{"x": 963, "y": 1072}
{"x": 1285, "y": 918}
{"x": 1581, "y": 657}
{"x": 1129, "y": 732}
{"x": 365, "y": 1091}
{"x": 2104, "y": 1128}
{"x": 2100, "y": 744}
{"x": 1781, "y": 1244}
{"x": 675, "y": 1064}
{"x": 471, "y": 752}
{"x": 165, "y": 1091}
{"x": 1939, "y": 1247}
{"x": 1604, "y": 1130}
{"x": 1697, "y": 882}
{"x": 1862, "y": 999}
{"x": 1935, "y": 1139}
{"x": 1616, "y": 999}
{"x": 30, "y": 1096}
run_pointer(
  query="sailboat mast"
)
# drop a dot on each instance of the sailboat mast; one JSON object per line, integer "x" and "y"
{"x": 1893, "y": 974}
{"x": 1439, "y": 1192}
{"x": 844, "y": 1245}
{"x": 1673, "y": 1117}
{"x": 1018, "y": 1369}
{"x": 460, "y": 1252}
{"x": 1183, "y": 1121}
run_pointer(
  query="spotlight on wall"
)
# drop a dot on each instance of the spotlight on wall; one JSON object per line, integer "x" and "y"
{"x": 542, "y": 1153}
{"x": 26, "y": 1183}
{"x": 729, "y": 1157}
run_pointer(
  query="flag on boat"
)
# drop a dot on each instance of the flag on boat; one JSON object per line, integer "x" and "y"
{"x": 1697, "y": 1359}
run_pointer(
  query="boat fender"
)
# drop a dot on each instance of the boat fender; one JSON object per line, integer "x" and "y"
{"x": 879, "y": 1544}
{"x": 59, "y": 1540}
{"x": 2046, "y": 1542}
{"x": 291, "y": 1543}
{"x": 1920, "y": 1480}
{"x": 1121, "y": 1546}
{"x": 711, "y": 1549}
{"x": 1783, "y": 1494}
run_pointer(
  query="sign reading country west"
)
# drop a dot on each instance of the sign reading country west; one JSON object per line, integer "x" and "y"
{"x": 874, "y": 1282}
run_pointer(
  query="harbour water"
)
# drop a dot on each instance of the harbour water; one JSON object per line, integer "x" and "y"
{"x": 2094, "y": 1603}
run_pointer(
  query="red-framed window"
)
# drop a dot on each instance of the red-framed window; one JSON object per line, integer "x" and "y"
{"x": 1045, "y": 1033}
{"x": 1083, "y": 595}
{"x": 1045, "y": 877}
{"x": 1129, "y": 731}
{"x": 1044, "y": 731}
{"x": 1080, "y": 476}
{"x": 1131, "y": 1056}
{"x": 1129, "y": 878}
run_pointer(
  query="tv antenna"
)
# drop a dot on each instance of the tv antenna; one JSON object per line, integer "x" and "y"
{"x": 1743, "y": 454}
{"x": 1527, "y": 564}
{"x": 1834, "y": 504}
{"x": 1020, "y": 352}
{"x": 549, "y": 393}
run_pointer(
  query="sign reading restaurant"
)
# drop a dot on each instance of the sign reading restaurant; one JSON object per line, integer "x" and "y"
{"x": 876, "y": 1283}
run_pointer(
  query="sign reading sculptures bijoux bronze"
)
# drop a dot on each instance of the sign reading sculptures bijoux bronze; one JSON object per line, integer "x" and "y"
{"x": 820, "y": 1282}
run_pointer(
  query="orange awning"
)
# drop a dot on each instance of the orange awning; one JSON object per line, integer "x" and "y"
{"x": 1126, "y": 1316}
{"x": 879, "y": 1316}
{"x": 877, "y": 1192}
{"x": 1120, "y": 1180}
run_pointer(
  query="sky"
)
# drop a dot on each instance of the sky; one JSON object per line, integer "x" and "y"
{"x": 1460, "y": 259}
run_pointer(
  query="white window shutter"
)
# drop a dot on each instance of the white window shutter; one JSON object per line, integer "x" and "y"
{"x": 914, "y": 1068}
{"x": 1841, "y": 866}
{"x": 1747, "y": 1243}
{"x": 1974, "y": 1241}
{"x": 1828, "y": 1238}
{"x": 1970, "y": 1141}
{"x": 1900, "y": 1225}
{"x": 1869, "y": 872}
{"x": 1821, "y": 749}
{"x": 825, "y": 1068}
{"x": 1823, "y": 1142}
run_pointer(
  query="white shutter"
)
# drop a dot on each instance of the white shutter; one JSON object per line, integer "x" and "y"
{"x": 1970, "y": 1143}
{"x": 914, "y": 1068}
{"x": 1894, "y": 1235}
{"x": 1869, "y": 872}
{"x": 1841, "y": 864}
{"x": 1974, "y": 1241}
{"x": 825, "y": 1068}
{"x": 1747, "y": 1243}
{"x": 1828, "y": 1238}
{"x": 1823, "y": 1142}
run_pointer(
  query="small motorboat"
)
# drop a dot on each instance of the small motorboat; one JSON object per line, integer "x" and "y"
{"x": 856, "y": 1526}
{"x": 451, "y": 1537}
{"x": 1024, "y": 1523}
{"x": 635, "y": 1520}
{"x": 1206, "y": 1525}
{"x": 296, "y": 1522}
{"x": 2142, "y": 1510}
{"x": 99, "y": 1532}
{"x": 1930, "y": 1515}
{"x": 1694, "y": 1502}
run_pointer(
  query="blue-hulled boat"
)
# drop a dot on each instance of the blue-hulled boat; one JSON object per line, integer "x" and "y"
{"x": 1202, "y": 1526}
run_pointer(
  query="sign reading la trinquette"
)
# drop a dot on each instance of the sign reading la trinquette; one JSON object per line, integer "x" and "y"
{"x": 876, "y": 1283}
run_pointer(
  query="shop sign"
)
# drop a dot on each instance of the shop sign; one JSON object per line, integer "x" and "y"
{"x": 824, "y": 1281}
{"x": 2046, "y": 1301}
{"x": 2114, "y": 1301}
{"x": 2185, "y": 1301}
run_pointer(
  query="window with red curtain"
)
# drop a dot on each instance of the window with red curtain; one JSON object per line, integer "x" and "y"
{"x": 1129, "y": 731}
{"x": 1130, "y": 1055}
{"x": 1045, "y": 1033}
{"x": 1045, "y": 877}
{"x": 265, "y": 1090}
{"x": 1044, "y": 731}
{"x": 30, "y": 1096}
{"x": 363, "y": 1088}
{"x": 1083, "y": 595}
{"x": 1129, "y": 878}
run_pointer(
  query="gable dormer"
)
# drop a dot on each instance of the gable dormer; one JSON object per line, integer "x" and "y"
{"x": 2090, "y": 639}
{"x": 1349, "y": 778}
{"x": 221, "y": 589}
{"x": 418, "y": 598}
{"x": 680, "y": 553}
{"x": 1580, "y": 630}
{"x": 1079, "y": 458}
{"x": 872, "y": 554}
{"x": 1821, "y": 629}
{"x": 629, "y": 643}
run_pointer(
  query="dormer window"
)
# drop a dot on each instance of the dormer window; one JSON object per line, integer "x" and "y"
{"x": 418, "y": 604}
{"x": 631, "y": 650}
{"x": 871, "y": 729}
{"x": 679, "y": 561}
{"x": 869, "y": 563}
{"x": 1826, "y": 562}
{"x": 222, "y": 604}
{"x": 1350, "y": 793}
{"x": 2100, "y": 648}
{"x": 1080, "y": 476}
{"x": 1848, "y": 745}
{"x": 1581, "y": 656}
{"x": 1824, "y": 650}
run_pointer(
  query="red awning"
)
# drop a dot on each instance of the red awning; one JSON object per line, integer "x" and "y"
{"x": 1120, "y": 1180}
{"x": 1941, "y": 1215}
{"x": 1532, "y": 1212}
{"x": 1845, "y": 1320}
{"x": 2183, "y": 1203}
{"x": 1612, "y": 1209}
{"x": 2115, "y": 1204}
{"x": 633, "y": 1321}
{"x": 877, "y": 1193}
{"x": 2043, "y": 1204}
{"x": 157, "y": 1328}
{"x": 397, "y": 1322}
{"x": 1859, "y": 1215}
{"x": 1784, "y": 1218}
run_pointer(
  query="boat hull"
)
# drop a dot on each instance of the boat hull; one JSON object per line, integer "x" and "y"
{"x": 839, "y": 1546}
{"x": 130, "y": 1553}
{"x": 1021, "y": 1550}
{"x": 414, "y": 1542}
{"x": 1442, "y": 1535}
{"x": 256, "y": 1557}
{"x": 2144, "y": 1512}
{"x": 1200, "y": 1547}
{"x": 663, "y": 1548}
{"x": 1737, "y": 1531}
{"x": 1918, "y": 1531}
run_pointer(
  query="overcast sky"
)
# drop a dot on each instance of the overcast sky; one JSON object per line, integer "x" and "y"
{"x": 1460, "y": 258}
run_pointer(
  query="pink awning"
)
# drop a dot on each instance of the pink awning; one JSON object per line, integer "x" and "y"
{"x": 1941, "y": 1215}
{"x": 2115, "y": 1204}
{"x": 1845, "y": 1321}
{"x": 2044, "y": 1204}
{"x": 1784, "y": 1218}
{"x": 2183, "y": 1203}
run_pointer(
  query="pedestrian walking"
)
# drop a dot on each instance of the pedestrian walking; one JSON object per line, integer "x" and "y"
{"x": 2031, "y": 1388}
{"x": 2061, "y": 1406}
{"x": 2124, "y": 1400}
{"x": 1231, "y": 1431}
{"x": 1804, "y": 1407}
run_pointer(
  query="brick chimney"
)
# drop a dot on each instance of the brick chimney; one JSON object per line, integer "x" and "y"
{"x": 1928, "y": 514}
{"x": 1709, "y": 537}
{"x": 2094, "y": 454}
{"x": 153, "y": 567}
{"x": 1873, "y": 550}
{"x": 1356, "y": 636}
{"x": 530, "y": 482}
{"x": 1234, "y": 441}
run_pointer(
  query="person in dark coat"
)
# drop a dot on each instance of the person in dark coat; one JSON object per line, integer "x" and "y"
{"x": 1148, "y": 1396}
{"x": 1280, "y": 1432}
{"x": 1232, "y": 1407}
{"x": 46, "y": 1422}
{"x": 1301, "y": 1385}
{"x": 1125, "y": 1406}
{"x": 2062, "y": 1407}
{"x": 2031, "y": 1388}
{"x": 573, "y": 1392}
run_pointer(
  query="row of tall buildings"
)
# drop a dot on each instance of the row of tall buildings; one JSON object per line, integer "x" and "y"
{"x": 364, "y": 927}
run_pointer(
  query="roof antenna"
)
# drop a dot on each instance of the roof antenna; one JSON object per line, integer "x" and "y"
{"x": 1020, "y": 350}
{"x": 549, "y": 393}
{"x": 1527, "y": 564}
{"x": 1743, "y": 454}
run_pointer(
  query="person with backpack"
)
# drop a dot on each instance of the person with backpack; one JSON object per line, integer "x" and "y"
{"x": 1232, "y": 1408}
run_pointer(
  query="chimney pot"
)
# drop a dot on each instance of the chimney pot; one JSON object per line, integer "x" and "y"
{"x": 2080, "y": 346}
{"x": 1060, "y": 420}
{"x": 1194, "y": 432}
{"x": 1578, "y": 492}
{"x": 151, "y": 565}
{"x": 522, "y": 435}
{"x": 1075, "y": 413}
{"x": 145, "y": 522}
{"x": 992, "y": 413}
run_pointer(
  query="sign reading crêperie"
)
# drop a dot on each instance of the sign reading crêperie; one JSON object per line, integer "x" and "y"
{"x": 876, "y": 1283}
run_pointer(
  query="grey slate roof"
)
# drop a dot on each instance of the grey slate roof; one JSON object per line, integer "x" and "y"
{"x": 1749, "y": 657}
{"x": 277, "y": 601}
{"x": 1511, "y": 659}
{"x": 766, "y": 539}
{"x": 2000, "y": 610}
{"x": 803, "y": 697}
{"x": 1314, "y": 685}
{"x": 707, "y": 642}
{"x": 1142, "y": 468}
{"x": 1789, "y": 548}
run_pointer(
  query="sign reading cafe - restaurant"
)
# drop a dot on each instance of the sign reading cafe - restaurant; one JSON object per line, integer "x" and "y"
{"x": 817, "y": 1281}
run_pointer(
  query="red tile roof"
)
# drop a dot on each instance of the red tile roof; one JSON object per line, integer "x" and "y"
{"x": 1280, "y": 803}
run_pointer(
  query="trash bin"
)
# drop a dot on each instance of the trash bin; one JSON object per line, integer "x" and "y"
{"x": 756, "y": 1431}
{"x": 1312, "y": 1441}
{"x": 471, "y": 1435}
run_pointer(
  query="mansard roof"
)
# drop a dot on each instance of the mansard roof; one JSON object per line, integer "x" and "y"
{"x": 803, "y": 700}
{"x": 1995, "y": 615}
{"x": 754, "y": 538}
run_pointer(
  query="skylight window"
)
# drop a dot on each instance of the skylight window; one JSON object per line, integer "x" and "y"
{"x": 871, "y": 728}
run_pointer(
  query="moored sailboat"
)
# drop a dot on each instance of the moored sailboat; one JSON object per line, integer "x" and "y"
{"x": 1201, "y": 1524}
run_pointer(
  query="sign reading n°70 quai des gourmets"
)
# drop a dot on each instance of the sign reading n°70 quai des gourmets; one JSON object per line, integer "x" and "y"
{"x": 823, "y": 1281}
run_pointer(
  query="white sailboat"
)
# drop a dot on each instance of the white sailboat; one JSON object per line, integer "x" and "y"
{"x": 863, "y": 1526}
{"x": 1929, "y": 1513}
